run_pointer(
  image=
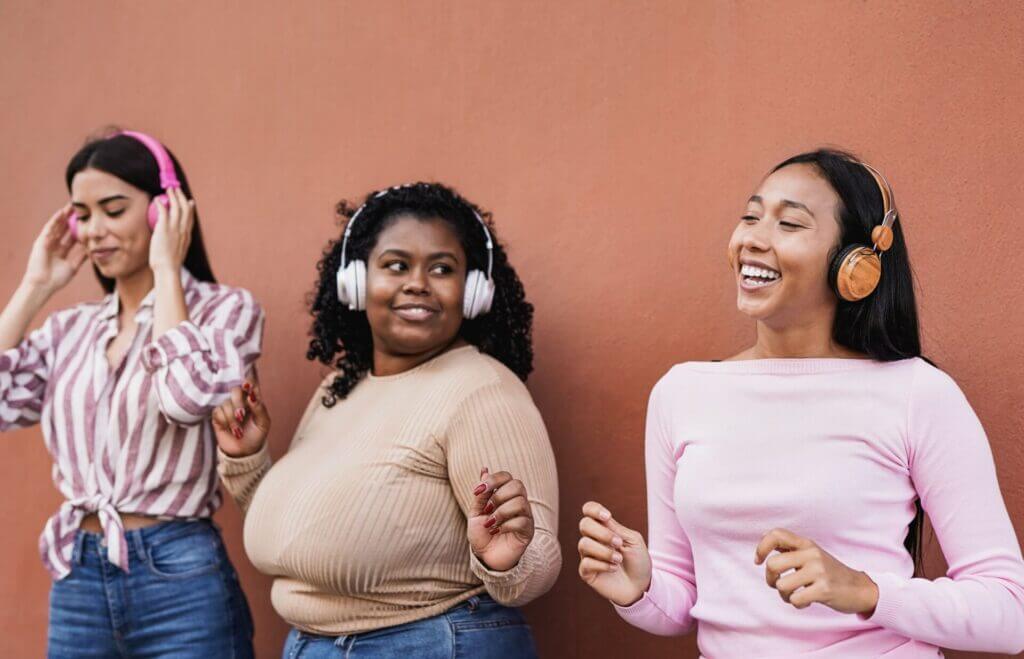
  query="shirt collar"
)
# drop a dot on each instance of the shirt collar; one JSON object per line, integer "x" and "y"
{"x": 112, "y": 304}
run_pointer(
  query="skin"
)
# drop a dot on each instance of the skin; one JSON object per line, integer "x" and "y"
{"x": 114, "y": 234}
{"x": 790, "y": 225}
{"x": 416, "y": 276}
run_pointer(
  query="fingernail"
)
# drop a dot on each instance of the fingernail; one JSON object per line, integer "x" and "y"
{"x": 246, "y": 387}
{"x": 494, "y": 531}
{"x": 605, "y": 515}
{"x": 614, "y": 567}
{"x": 252, "y": 398}
{"x": 616, "y": 557}
{"x": 479, "y": 489}
{"x": 616, "y": 541}
{"x": 237, "y": 432}
{"x": 489, "y": 523}
{"x": 240, "y": 415}
{"x": 489, "y": 508}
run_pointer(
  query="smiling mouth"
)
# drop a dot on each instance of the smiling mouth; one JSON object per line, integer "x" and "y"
{"x": 754, "y": 277}
{"x": 102, "y": 254}
{"x": 415, "y": 313}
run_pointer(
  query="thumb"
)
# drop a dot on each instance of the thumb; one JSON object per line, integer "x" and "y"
{"x": 481, "y": 493}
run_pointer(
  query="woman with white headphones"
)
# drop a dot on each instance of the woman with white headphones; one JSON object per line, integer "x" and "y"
{"x": 123, "y": 389}
{"x": 418, "y": 501}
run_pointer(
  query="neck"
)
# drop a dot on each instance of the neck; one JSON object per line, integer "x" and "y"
{"x": 810, "y": 337}
{"x": 132, "y": 289}
{"x": 387, "y": 363}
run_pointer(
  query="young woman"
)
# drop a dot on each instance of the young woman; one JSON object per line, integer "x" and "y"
{"x": 785, "y": 485}
{"x": 124, "y": 389}
{"x": 418, "y": 501}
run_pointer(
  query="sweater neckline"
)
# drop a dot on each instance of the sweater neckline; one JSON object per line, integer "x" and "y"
{"x": 792, "y": 365}
{"x": 420, "y": 367}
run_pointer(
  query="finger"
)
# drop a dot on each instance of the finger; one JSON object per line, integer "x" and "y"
{"x": 230, "y": 415}
{"x": 483, "y": 490}
{"x": 779, "y": 564}
{"x": 161, "y": 215}
{"x": 804, "y": 597}
{"x": 590, "y": 567}
{"x": 789, "y": 583}
{"x": 596, "y": 511}
{"x": 518, "y": 507}
{"x": 781, "y": 540}
{"x": 591, "y": 528}
{"x": 254, "y": 402}
{"x": 507, "y": 492}
{"x": 522, "y": 526}
{"x": 594, "y": 549}
{"x": 238, "y": 400}
{"x": 220, "y": 419}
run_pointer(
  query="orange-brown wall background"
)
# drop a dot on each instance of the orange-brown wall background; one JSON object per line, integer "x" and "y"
{"x": 615, "y": 142}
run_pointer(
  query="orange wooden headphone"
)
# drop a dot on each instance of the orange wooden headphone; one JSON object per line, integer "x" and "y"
{"x": 856, "y": 270}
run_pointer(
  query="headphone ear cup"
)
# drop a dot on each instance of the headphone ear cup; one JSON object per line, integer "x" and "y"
{"x": 351, "y": 283}
{"x": 479, "y": 295}
{"x": 153, "y": 213}
{"x": 855, "y": 272}
{"x": 73, "y": 224}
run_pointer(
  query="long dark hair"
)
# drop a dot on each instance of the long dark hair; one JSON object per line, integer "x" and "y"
{"x": 341, "y": 337}
{"x": 884, "y": 325}
{"x": 129, "y": 160}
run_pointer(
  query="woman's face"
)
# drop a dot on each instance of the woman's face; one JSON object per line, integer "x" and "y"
{"x": 112, "y": 222}
{"x": 780, "y": 249}
{"x": 415, "y": 278}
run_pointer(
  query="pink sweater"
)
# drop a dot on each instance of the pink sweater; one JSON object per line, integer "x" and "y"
{"x": 835, "y": 450}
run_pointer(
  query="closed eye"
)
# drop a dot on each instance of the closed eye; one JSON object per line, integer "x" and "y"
{"x": 750, "y": 218}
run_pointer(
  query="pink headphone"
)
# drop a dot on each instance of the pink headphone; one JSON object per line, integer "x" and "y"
{"x": 168, "y": 179}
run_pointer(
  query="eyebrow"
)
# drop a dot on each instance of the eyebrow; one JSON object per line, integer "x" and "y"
{"x": 115, "y": 197}
{"x": 788, "y": 203}
{"x": 430, "y": 257}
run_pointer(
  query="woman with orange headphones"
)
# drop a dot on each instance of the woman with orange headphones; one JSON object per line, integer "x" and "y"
{"x": 787, "y": 485}
{"x": 123, "y": 389}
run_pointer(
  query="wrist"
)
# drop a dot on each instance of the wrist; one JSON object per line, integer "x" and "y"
{"x": 869, "y": 596}
{"x": 35, "y": 291}
{"x": 166, "y": 274}
{"x": 244, "y": 452}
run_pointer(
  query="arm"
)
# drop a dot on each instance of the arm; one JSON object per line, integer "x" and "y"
{"x": 979, "y": 605}
{"x": 24, "y": 373}
{"x": 665, "y": 608}
{"x": 195, "y": 365}
{"x": 499, "y": 427}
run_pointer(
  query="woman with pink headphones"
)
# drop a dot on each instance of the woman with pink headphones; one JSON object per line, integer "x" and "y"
{"x": 124, "y": 388}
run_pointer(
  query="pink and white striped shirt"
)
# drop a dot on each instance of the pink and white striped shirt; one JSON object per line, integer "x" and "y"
{"x": 135, "y": 439}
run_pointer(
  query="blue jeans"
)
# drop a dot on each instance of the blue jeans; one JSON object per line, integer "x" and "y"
{"x": 180, "y": 598}
{"x": 479, "y": 628}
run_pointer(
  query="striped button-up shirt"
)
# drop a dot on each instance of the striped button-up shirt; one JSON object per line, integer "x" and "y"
{"x": 135, "y": 438}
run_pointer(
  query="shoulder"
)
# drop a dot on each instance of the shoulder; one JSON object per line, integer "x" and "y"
{"x": 207, "y": 299}
{"x": 474, "y": 374}
{"x": 931, "y": 385}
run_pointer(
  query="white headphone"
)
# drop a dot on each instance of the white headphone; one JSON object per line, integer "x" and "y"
{"x": 351, "y": 277}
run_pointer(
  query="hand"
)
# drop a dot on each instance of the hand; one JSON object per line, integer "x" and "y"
{"x": 614, "y": 559}
{"x": 172, "y": 234}
{"x": 56, "y": 256}
{"x": 500, "y": 525}
{"x": 242, "y": 423}
{"x": 804, "y": 573}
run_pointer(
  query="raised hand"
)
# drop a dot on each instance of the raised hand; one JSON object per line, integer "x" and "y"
{"x": 172, "y": 233}
{"x": 56, "y": 256}
{"x": 500, "y": 525}
{"x": 803, "y": 573}
{"x": 241, "y": 424}
{"x": 614, "y": 559}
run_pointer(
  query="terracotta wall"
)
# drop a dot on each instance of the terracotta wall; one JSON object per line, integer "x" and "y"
{"x": 615, "y": 142}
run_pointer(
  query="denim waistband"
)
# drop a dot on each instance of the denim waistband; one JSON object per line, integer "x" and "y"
{"x": 138, "y": 540}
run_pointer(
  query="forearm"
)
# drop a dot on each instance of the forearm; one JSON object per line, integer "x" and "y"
{"x": 26, "y": 302}
{"x": 169, "y": 308}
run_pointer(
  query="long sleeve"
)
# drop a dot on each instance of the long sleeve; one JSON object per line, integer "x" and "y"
{"x": 242, "y": 476}
{"x": 498, "y": 426}
{"x": 24, "y": 373}
{"x": 979, "y": 605}
{"x": 196, "y": 364}
{"x": 665, "y": 607}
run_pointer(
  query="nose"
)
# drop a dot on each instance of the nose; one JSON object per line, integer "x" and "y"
{"x": 756, "y": 237}
{"x": 92, "y": 229}
{"x": 416, "y": 282}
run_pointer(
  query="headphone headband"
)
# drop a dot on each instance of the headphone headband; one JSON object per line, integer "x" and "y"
{"x": 888, "y": 197}
{"x": 168, "y": 176}
{"x": 381, "y": 193}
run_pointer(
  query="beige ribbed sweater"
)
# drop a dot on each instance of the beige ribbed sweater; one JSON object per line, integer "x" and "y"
{"x": 363, "y": 522}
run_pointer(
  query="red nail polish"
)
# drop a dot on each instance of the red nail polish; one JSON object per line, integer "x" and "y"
{"x": 494, "y": 531}
{"x": 489, "y": 523}
{"x": 246, "y": 387}
{"x": 489, "y": 508}
{"x": 479, "y": 489}
{"x": 240, "y": 415}
{"x": 252, "y": 399}
{"x": 237, "y": 432}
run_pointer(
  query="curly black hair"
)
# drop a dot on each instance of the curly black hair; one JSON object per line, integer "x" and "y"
{"x": 342, "y": 337}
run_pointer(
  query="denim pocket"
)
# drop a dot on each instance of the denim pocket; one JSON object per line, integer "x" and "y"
{"x": 484, "y": 613}
{"x": 184, "y": 556}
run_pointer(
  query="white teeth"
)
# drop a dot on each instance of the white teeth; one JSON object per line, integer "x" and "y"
{"x": 763, "y": 273}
